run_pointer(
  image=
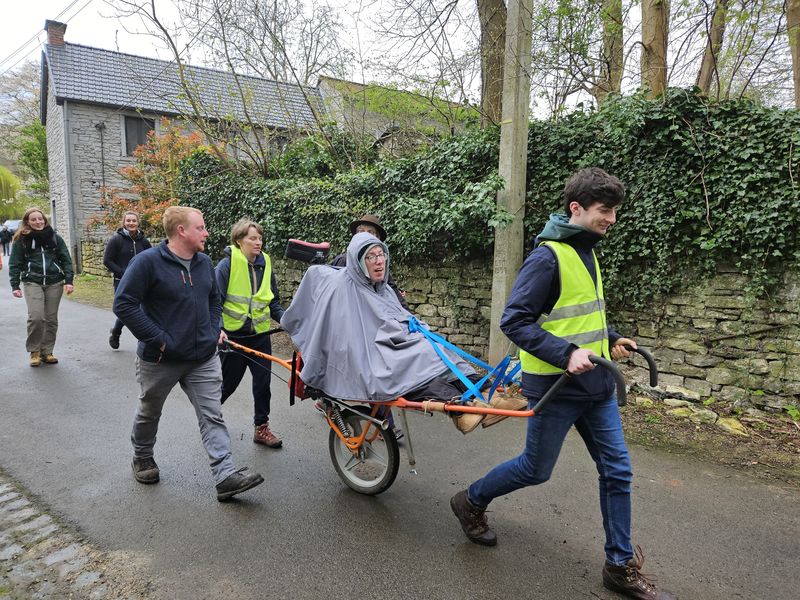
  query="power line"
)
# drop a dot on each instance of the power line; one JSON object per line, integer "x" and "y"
{"x": 38, "y": 34}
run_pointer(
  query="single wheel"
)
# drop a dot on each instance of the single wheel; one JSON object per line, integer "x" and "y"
{"x": 374, "y": 468}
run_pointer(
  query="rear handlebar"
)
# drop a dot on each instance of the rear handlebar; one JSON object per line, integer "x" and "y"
{"x": 622, "y": 398}
{"x": 651, "y": 364}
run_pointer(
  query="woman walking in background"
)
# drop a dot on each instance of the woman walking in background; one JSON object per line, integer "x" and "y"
{"x": 127, "y": 242}
{"x": 41, "y": 263}
{"x": 249, "y": 300}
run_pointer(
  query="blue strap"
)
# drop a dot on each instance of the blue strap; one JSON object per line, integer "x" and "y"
{"x": 473, "y": 389}
{"x": 415, "y": 326}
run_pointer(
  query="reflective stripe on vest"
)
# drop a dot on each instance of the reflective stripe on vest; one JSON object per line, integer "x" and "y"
{"x": 579, "y": 314}
{"x": 240, "y": 303}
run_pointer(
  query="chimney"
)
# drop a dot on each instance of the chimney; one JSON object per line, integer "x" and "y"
{"x": 55, "y": 32}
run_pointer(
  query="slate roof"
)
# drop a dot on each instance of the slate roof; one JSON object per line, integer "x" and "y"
{"x": 92, "y": 75}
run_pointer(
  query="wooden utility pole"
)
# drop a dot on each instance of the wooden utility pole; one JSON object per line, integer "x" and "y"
{"x": 509, "y": 240}
{"x": 793, "y": 28}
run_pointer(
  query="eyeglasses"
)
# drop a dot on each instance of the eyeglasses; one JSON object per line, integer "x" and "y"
{"x": 371, "y": 258}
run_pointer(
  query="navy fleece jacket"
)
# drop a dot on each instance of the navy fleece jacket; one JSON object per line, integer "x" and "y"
{"x": 535, "y": 292}
{"x": 163, "y": 303}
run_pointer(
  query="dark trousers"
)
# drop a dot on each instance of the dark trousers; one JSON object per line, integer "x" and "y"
{"x": 234, "y": 365}
{"x": 117, "y": 328}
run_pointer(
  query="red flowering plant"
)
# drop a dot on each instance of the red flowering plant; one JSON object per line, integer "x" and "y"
{"x": 152, "y": 180}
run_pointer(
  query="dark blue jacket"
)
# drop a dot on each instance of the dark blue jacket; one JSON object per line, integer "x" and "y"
{"x": 223, "y": 273}
{"x": 163, "y": 303}
{"x": 535, "y": 292}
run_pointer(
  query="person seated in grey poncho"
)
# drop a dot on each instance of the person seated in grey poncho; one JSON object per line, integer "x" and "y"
{"x": 353, "y": 333}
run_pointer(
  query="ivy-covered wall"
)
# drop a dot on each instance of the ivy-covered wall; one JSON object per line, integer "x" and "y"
{"x": 707, "y": 184}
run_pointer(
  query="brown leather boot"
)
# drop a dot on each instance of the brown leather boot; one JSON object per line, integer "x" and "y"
{"x": 473, "y": 520}
{"x": 49, "y": 359}
{"x": 466, "y": 422}
{"x": 263, "y": 435}
{"x": 500, "y": 400}
{"x": 36, "y": 359}
{"x": 629, "y": 581}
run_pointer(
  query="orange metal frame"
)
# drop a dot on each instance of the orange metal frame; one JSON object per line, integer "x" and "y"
{"x": 354, "y": 443}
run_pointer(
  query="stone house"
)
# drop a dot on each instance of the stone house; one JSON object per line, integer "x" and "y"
{"x": 98, "y": 106}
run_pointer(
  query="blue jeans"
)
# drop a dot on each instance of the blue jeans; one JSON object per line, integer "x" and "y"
{"x": 599, "y": 424}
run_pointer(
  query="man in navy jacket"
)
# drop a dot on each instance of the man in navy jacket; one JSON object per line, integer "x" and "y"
{"x": 556, "y": 316}
{"x": 169, "y": 299}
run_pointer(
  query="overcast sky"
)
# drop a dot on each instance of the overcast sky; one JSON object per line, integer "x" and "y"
{"x": 89, "y": 22}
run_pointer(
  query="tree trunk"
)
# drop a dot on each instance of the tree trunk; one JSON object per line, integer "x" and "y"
{"x": 492, "y": 14}
{"x": 708, "y": 68}
{"x": 612, "y": 58}
{"x": 793, "y": 27}
{"x": 655, "y": 15}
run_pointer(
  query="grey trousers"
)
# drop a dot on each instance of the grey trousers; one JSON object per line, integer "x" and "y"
{"x": 43, "y": 302}
{"x": 201, "y": 381}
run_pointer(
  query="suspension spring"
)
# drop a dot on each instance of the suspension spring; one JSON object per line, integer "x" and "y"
{"x": 337, "y": 418}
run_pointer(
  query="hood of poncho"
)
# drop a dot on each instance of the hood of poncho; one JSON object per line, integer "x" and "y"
{"x": 354, "y": 336}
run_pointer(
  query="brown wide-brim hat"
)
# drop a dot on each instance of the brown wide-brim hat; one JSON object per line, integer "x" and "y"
{"x": 369, "y": 220}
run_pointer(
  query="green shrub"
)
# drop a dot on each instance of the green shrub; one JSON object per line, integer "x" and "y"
{"x": 707, "y": 184}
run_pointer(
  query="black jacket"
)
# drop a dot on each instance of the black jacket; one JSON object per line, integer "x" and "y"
{"x": 163, "y": 303}
{"x": 121, "y": 249}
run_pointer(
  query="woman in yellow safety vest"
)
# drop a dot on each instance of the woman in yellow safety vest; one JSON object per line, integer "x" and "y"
{"x": 249, "y": 302}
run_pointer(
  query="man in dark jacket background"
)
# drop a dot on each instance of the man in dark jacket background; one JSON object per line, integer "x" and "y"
{"x": 169, "y": 299}
{"x": 556, "y": 316}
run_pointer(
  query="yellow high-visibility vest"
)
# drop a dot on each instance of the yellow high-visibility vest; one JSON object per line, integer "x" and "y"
{"x": 240, "y": 302}
{"x": 579, "y": 314}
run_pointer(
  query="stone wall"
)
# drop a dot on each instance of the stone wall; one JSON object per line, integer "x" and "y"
{"x": 711, "y": 341}
{"x": 56, "y": 160}
{"x": 92, "y": 252}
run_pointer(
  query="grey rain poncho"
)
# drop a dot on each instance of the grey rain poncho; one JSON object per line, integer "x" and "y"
{"x": 354, "y": 336}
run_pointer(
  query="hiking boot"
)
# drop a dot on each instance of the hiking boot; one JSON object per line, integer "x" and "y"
{"x": 500, "y": 400}
{"x": 36, "y": 359}
{"x": 629, "y": 581}
{"x": 263, "y": 435}
{"x": 49, "y": 359}
{"x": 237, "y": 483}
{"x": 145, "y": 470}
{"x": 113, "y": 340}
{"x": 467, "y": 422}
{"x": 473, "y": 520}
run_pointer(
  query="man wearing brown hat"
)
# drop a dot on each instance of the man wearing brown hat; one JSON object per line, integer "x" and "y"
{"x": 371, "y": 224}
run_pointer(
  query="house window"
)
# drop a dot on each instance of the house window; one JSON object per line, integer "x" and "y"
{"x": 136, "y": 129}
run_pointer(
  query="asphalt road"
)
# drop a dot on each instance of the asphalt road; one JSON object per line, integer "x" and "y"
{"x": 707, "y": 532}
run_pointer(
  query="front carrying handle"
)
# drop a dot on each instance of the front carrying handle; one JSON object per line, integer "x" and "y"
{"x": 651, "y": 364}
{"x": 622, "y": 398}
